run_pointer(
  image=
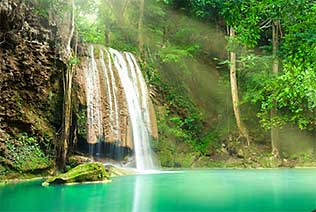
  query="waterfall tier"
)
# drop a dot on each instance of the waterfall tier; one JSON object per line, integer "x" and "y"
{"x": 120, "y": 116}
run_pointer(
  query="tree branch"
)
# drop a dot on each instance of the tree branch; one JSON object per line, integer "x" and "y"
{"x": 124, "y": 7}
{"x": 266, "y": 24}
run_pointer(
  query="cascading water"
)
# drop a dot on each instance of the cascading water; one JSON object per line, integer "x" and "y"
{"x": 114, "y": 87}
{"x": 144, "y": 91}
{"x": 141, "y": 134}
{"x": 108, "y": 89}
{"x": 94, "y": 114}
{"x": 114, "y": 91}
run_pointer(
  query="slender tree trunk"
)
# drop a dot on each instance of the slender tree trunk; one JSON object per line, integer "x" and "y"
{"x": 140, "y": 26}
{"x": 74, "y": 108}
{"x": 119, "y": 11}
{"x": 67, "y": 81}
{"x": 124, "y": 7}
{"x": 107, "y": 35}
{"x": 120, "y": 18}
{"x": 275, "y": 141}
{"x": 234, "y": 91}
{"x": 63, "y": 147}
{"x": 72, "y": 28}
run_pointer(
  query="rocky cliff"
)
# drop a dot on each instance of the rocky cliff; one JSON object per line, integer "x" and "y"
{"x": 30, "y": 90}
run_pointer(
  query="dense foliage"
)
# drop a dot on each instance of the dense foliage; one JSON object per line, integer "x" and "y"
{"x": 293, "y": 90}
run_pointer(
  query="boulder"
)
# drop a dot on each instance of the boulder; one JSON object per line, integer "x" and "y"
{"x": 89, "y": 172}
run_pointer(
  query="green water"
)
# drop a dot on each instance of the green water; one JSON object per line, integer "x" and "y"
{"x": 207, "y": 190}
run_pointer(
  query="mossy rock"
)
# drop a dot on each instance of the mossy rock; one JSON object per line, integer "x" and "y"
{"x": 89, "y": 172}
{"x": 76, "y": 160}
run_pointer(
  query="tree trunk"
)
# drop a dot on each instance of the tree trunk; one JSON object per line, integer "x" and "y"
{"x": 72, "y": 28}
{"x": 140, "y": 27}
{"x": 234, "y": 91}
{"x": 275, "y": 69}
{"x": 67, "y": 81}
{"x": 73, "y": 137}
{"x": 63, "y": 147}
{"x": 107, "y": 35}
{"x": 124, "y": 7}
{"x": 118, "y": 9}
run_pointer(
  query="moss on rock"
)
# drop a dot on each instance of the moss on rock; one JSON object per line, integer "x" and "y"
{"x": 76, "y": 160}
{"x": 89, "y": 172}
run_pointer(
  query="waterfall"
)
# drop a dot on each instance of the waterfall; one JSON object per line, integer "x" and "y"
{"x": 144, "y": 91}
{"x": 108, "y": 89}
{"x": 141, "y": 134}
{"x": 118, "y": 111}
{"x": 94, "y": 117}
{"x": 114, "y": 91}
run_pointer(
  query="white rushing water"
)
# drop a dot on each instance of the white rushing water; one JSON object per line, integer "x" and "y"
{"x": 125, "y": 67}
{"x": 141, "y": 134}
{"x": 114, "y": 92}
{"x": 94, "y": 120}
{"x": 144, "y": 92}
{"x": 108, "y": 88}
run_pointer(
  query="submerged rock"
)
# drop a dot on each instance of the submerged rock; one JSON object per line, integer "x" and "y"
{"x": 89, "y": 172}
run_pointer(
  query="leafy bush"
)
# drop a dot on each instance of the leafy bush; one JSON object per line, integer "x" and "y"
{"x": 25, "y": 153}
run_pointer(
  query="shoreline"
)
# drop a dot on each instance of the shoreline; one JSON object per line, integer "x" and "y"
{"x": 21, "y": 180}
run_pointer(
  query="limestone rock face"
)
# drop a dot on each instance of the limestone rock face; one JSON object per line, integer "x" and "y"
{"x": 30, "y": 88}
{"x": 110, "y": 133}
{"x": 89, "y": 172}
